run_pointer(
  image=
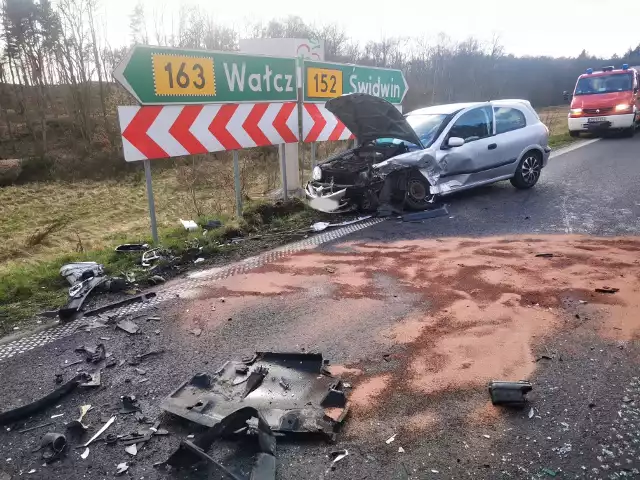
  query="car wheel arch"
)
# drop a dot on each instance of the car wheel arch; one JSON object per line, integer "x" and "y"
{"x": 532, "y": 148}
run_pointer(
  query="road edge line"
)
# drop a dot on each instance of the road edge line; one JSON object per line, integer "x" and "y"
{"x": 572, "y": 147}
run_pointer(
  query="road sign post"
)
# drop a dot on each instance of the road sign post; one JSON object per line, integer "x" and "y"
{"x": 236, "y": 183}
{"x": 152, "y": 205}
{"x": 323, "y": 81}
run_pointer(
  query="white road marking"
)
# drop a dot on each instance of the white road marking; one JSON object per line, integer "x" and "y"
{"x": 573, "y": 147}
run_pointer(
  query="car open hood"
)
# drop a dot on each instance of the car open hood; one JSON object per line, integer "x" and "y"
{"x": 370, "y": 118}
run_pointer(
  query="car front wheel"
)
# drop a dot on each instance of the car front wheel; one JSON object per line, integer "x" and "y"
{"x": 528, "y": 171}
{"x": 418, "y": 194}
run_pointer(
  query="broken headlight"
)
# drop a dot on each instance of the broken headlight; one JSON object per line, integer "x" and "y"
{"x": 317, "y": 173}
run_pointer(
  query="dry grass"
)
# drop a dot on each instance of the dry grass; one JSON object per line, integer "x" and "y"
{"x": 101, "y": 214}
{"x": 555, "y": 118}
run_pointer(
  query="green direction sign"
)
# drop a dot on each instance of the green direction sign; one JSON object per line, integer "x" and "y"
{"x": 161, "y": 76}
{"x": 323, "y": 81}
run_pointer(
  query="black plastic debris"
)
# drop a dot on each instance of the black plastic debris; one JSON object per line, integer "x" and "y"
{"x": 264, "y": 468}
{"x": 93, "y": 354}
{"x": 129, "y": 404}
{"x": 53, "y": 446}
{"x": 426, "y": 214}
{"x": 211, "y": 224}
{"x": 255, "y": 380}
{"x": 314, "y": 402}
{"x": 143, "y": 297}
{"x": 606, "y": 289}
{"x": 509, "y": 394}
{"x": 545, "y": 255}
{"x": 19, "y": 413}
{"x": 132, "y": 247}
{"x": 93, "y": 380}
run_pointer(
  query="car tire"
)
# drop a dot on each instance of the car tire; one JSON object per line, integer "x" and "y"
{"x": 418, "y": 194}
{"x": 528, "y": 171}
{"x": 629, "y": 132}
{"x": 574, "y": 133}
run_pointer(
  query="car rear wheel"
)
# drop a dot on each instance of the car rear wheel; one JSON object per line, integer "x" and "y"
{"x": 418, "y": 196}
{"x": 528, "y": 171}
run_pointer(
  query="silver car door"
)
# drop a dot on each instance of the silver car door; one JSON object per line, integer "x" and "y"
{"x": 512, "y": 135}
{"x": 478, "y": 154}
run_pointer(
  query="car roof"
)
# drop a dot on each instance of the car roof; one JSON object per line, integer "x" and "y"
{"x": 443, "y": 109}
{"x": 450, "y": 108}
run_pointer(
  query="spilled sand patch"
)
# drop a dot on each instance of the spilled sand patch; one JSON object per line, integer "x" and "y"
{"x": 476, "y": 309}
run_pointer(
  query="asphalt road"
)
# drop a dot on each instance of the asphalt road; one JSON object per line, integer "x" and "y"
{"x": 586, "y": 397}
{"x": 592, "y": 190}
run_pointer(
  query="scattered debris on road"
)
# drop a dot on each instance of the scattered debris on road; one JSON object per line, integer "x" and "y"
{"x": 93, "y": 354}
{"x": 545, "y": 255}
{"x": 264, "y": 467}
{"x": 35, "y": 427}
{"x": 510, "y": 394}
{"x": 196, "y": 331}
{"x": 129, "y": 405}
{"x": 338, "y": 455}
{"x": 128, "y": 326}
{"x": 53, "y": 446}
{"x": 391, "y": 439}
{"x": 99, "y": 432}
{"x": 207, "y": 399}
{"x": 606, "y": 289}
{"x": 19, "y": 413}
{"x": 121, "y": 468}
{"x": 77, "y": 425}
{"x": 425, "y": 214}
{"x": 92, "y": 381}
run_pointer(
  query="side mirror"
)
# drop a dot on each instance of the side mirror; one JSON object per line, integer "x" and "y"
{"x": 635, "y": 90}
{"x": 455, "y": 142}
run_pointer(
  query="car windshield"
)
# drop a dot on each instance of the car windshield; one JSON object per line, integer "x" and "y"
{"x": 426, "y": 126}
{"x": 620, "y": 82}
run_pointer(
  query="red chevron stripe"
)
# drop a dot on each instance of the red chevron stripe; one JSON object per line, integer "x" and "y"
{"x": 352, "y": 136}
{"x": 280, "y": 123}
{"x": 180, "y": 129}
{"x": 136, "y": 132}
{"x": 319, "y": 122}
{"x": 337, "y": 131}
{"x": 218, "y": 127}
{"x": 250, "y": 125}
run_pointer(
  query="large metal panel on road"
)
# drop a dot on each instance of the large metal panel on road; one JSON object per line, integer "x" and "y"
{"x": 151, "y": 132}
{"x": 161, "y": 76}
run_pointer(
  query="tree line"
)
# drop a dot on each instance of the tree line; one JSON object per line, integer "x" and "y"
{"x": 56, "y": 84}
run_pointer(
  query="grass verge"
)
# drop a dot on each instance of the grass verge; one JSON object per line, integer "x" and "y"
{"x": 28, "y": 288}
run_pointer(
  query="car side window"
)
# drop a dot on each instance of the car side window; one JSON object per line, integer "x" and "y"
{"x": 473, "y": 125}
{"x": 508, "y": 119}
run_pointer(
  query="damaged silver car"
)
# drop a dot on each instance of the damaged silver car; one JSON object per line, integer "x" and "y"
{"x": 408, "y": 160}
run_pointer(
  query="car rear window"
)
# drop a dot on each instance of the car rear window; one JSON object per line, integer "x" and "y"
{"x": 508, "y": 119}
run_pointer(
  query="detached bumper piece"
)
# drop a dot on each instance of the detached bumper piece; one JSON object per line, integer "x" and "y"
{"x": 509, "y": 394}
{"x": 292, "y": 391}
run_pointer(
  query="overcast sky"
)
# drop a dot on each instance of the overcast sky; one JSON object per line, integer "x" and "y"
{"x": 533, "y": 27}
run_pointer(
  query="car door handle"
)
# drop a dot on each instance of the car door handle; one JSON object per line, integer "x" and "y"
{"x": 493, "y": 146}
